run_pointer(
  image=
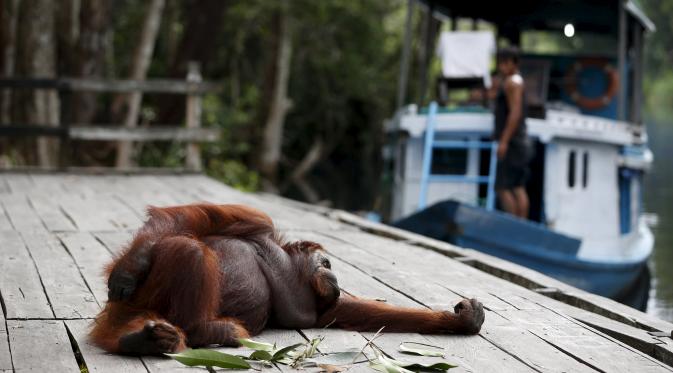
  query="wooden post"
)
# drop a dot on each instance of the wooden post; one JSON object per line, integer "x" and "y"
{"x": 193, "y": 117}
{"x": 64, "y": 146}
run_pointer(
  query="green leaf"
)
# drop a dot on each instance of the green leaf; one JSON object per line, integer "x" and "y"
{"x": 257, "y": 346}
{"x": 261, "y": 355}
{"x": 209, "y": 358}
{"x": 407, "y": 349}
{"x": 340, "y": 358}
{"x": 386, "y": 365}
{"x": 283, "y": 352}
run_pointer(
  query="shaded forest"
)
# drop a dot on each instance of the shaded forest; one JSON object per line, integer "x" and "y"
{"x": 307, "y": 85}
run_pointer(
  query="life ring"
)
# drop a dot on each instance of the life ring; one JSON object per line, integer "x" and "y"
{"x": 592, "y": 103}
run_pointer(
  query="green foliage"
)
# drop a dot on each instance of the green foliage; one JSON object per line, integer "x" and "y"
{"x": 306, "y": 355}
{"x": 409, "y": 348}
{"x": 210, "y": 358}
{"x": 161, "y": 155}
{"x": 233, "y": 173}
{"x": 659, "y": 59}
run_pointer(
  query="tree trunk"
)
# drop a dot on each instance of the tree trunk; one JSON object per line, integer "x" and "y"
{"x": 279, "y": 104}
{"x": 198, "y": 43}
{"x": 8, "y": 23}
{"x": 141, "y": 62}
{"x": 91, "y": 48}
{"x": 37, "y": 59}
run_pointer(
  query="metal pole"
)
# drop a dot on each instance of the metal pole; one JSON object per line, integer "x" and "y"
{"x": 621, "y": 103}
{"x": 427, "y": 155}
{"x": 406, "y": 52}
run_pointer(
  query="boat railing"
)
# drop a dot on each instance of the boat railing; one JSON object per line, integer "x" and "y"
{"x": 430, "y": 144}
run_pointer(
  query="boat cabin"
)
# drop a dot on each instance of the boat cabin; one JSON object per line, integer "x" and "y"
{"x": 583, "y": 97}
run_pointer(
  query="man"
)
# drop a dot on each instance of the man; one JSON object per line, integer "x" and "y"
{"x": 510, "y": 133}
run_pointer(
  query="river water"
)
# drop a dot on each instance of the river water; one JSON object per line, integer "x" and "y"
{"x": 658, "y": 199}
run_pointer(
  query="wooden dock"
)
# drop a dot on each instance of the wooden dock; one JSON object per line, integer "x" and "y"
{"x": 58, "y": 230}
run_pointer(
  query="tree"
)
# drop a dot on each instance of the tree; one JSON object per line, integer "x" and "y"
{"x": 36, "y": 58}
{"x": 278, "y": 78}
{"x": 139, "y": 67}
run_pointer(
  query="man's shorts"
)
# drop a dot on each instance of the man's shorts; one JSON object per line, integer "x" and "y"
{"x": 513, "y": 170}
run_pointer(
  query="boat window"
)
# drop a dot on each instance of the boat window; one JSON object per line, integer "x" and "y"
{"x": 449, "y": 161}
{"x": 571, "y": 169}
{"x": 585, "y": 169}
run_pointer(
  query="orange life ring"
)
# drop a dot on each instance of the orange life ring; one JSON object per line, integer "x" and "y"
{"x": 592, "y": 103}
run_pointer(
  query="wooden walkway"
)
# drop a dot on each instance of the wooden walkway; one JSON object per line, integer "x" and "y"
{"x": 58, "y": 230}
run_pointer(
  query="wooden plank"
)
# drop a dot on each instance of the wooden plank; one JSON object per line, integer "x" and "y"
{"x": 5, "y": 355}
{"x": 585, "y": 344}
{"x": 4, "y": 187}
{"x": 5, "y": 224}
{"x": 114, "y": 242}
{"x": 85, "y": 216}
{"x": 41, "y": 345}
{"x": 159, "y": 133}
{"x": 407, "y": 278}
{"x": 21, "y": 213}
{"x": 18, "y": 182}
{"x": 121, "y": 216}
{"x": 91, "y": 258}
{"x": 68, "y": 293}
{"x": 335, "y": 340}
{"x": 518, "y": 341}
{"x": 96, "y": 359}
{"x": 50, "y": 213}
{"x": 20, "y": 286}
{"x": 173, "y": 86}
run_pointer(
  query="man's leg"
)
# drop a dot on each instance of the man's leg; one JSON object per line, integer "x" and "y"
{"x": 507, "y": 201}
{"x": 522, "y": 203}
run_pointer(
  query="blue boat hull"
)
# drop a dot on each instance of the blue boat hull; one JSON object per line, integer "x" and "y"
{"x": 531, "y": 245}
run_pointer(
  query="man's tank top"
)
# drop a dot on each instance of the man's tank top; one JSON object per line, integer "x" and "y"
{"x": 502, "y": 111}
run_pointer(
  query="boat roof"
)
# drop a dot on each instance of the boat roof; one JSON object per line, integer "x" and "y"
{"x": 598, "y": 16}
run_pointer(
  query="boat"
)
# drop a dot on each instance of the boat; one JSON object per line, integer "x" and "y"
{"x": 586, "y": 225}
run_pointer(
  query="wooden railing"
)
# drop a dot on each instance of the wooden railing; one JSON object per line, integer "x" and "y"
{"x": 191, "y": 134}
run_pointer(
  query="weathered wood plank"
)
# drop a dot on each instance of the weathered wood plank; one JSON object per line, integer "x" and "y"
{"x": 68, "y": 293}
{"x": 91, "y": 257}
{"x": 96, "y": 359}
{"x": 5, "y": 356}
{"x": 159, "y": 133}
{"x": 21, "y": 213}
{"x": 41, "y": 345}
{"x": 408, "y": 278}
{"x": 4, "y": 219}
{"x": 114, "y": 241}
{"x": 50, "y": 213}
{"x": 85, "y": 215}
{"x": 4, "y": 187}
{"x": 584, "y": 344}
{"x": 17, "y": 182}
{"x": 20, "y": 284}
{"x": 518, "y": 341}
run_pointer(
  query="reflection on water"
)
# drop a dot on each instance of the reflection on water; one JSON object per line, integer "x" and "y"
{"x": 659, "y": 200}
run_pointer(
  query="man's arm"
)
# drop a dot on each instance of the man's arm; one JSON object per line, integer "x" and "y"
{"x": 514, "y": 95}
